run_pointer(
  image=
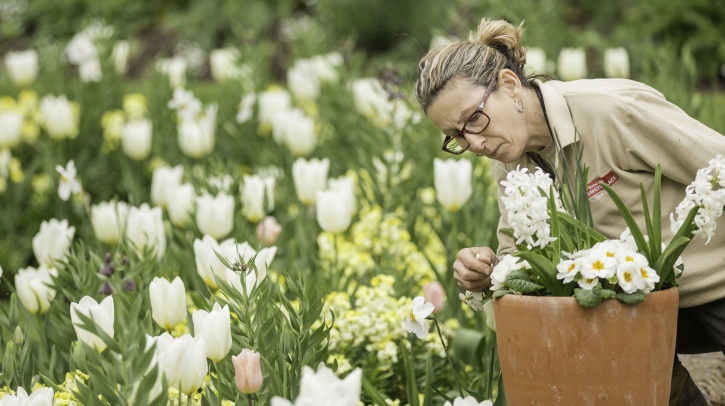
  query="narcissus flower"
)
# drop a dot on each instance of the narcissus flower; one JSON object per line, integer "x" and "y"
{"x": 415, "y": 322}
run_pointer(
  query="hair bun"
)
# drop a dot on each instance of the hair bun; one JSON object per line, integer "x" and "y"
{"x": 503, "y": 37}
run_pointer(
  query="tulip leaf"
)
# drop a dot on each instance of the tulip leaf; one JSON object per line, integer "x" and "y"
{"x": 587, "y": 298}
{"x": 631, "y": 298}
{"x": 521, "y": 282}
{"x": 377, "y": 397}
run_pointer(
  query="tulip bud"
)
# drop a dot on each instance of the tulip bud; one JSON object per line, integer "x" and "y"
{"x": 268, "y": 230}
{"x": 303, "y": 82}
{"x": 175, "y": 69}
{"x": 309, "y": 178}
{"x": 371, "y": 100}
{"x": 102, "y": 315}
{"x": 108, "y": 220}
{"x": 183, "y": 361}
{"x": 572, "y": 64}
{"x": 136, "y": 139}
{"x": 215, "y": 328}
{"x": 452, "y": 180}
{"x": 298, "y": 132}
{"x": 333, "y": 214}
{"x": 325, "y": 67}
{"x": 168, "y": 302}
{"x": 145, "y": 229}
{"x": 215, "y": 215}
{"x": 433, "y": 292}
{"x": 254, "y": 192}
{"x": 35, "y": 289}
{"x": 208, "y": 265}
{"x": 22, "y": 67}
{"x": 90, "y": 71}
{"x": 53, "y": 241}
{"x": 271, "y": 103}
{"x": 163, "y": 182}
{"x": 616, "y": 63}
{"x": 182, "y": 201}
{"x": 536, "y": 60}
{"x": 196, "y": 135}
{"x": 247, "y": 371}
{"x": 119, "y": 55}
{"x": 11, "y": 125}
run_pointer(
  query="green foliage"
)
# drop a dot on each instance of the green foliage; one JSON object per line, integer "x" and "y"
{"x": 631, "y": 298}
{"x": 520, "y": 281}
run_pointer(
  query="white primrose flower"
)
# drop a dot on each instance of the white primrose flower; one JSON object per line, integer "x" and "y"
{"x": 650, "y": 278}
{"x": 527, "y": 208}
{"x": 588, "y": 284}
{"x": 68, "y": 182}
{"x": 702, "y": 192}
{"x": 598, "y": 263}
{"x": 567, "y": 270}
{"x": 507, "y": 264}
{"x": 415, "y": 322}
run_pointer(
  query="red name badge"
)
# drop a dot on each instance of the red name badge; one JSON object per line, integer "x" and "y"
{"x": 594, "y": 189}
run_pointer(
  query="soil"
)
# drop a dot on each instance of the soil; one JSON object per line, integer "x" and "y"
{"x": 708, "y": 372}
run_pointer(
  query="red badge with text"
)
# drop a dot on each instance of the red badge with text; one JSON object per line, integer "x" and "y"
{"x": 594, "y": 189}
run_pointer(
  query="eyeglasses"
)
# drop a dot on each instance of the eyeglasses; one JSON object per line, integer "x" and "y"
{"x": 476, "y": 124}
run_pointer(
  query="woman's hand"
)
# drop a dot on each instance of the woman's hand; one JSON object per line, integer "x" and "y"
{"x": 473, "y": 267}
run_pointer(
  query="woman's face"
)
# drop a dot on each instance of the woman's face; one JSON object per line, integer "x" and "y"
{"x": 506, "y": 136}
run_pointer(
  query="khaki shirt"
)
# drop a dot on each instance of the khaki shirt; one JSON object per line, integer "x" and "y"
{"x": 626, "y": 128}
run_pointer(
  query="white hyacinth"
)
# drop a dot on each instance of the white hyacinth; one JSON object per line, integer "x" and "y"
{"x": 527, "y": 207}
{"x": 703, "y": 192}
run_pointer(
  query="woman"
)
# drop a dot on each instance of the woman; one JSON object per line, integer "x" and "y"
{"x": 477, "y": 93}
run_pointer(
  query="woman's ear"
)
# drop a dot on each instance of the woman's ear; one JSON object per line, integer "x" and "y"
{"x": 509, "y": 83}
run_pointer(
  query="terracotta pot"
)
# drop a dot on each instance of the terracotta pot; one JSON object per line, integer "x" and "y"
{"x": 553, "y": 351}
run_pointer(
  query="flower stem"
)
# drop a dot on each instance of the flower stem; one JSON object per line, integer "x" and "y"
{"x": 450, "y": 361}
{"x": 218, "y": 383}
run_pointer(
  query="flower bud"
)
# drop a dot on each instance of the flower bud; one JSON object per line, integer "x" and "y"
{"x": 136, "y": 139}
{"x": 309, "y": 178}
{"x": 247, "y": 371}
{"x": 215, "y": 215}
{"x": 145, "y": 229}
{"x": 53, "y": 241}
{"x": 572, "y": 64}
{"x": 452, "y": 180}
{"x": 268, "y": 230}
{"x": 616, "y": 63}
{"x": 215, "y": 328}
{"x": 333, "y": 213}
{"x": 108, "y": 220}
{"x": 22, "y": 67}
{"x": 255, "y": 191}
{"x": 102, "y": 315}
{"x": 168, "y": 302}
{"x": 163, "y": 182}
{"x": 34, "y": 288}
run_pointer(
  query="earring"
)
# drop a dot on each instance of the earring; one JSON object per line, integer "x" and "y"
{"x": 520, "y": 106}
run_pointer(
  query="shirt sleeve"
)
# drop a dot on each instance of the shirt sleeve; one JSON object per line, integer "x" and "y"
{"x": 658, "y": 131}
{"x": 505, "y": 243}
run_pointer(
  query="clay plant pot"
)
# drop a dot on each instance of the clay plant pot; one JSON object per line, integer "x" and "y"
{"x": 553, "y": 351}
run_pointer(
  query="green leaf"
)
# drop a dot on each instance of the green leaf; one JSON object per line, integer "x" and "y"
{"x": 656, "y": 234}
{"x": 631, "y": 298}
{"x": 629, "y": 219}
{"x": 500, "y": 293}
{"x": 606, "y": 293}
{"x": 521, "y": 282}
{"x": 546, "y": 271}
{"x": 587, "y": 298}
{"x": 377, "y": 397}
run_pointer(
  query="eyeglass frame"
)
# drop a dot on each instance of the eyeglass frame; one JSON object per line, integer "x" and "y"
{"x": 462, "y": 132}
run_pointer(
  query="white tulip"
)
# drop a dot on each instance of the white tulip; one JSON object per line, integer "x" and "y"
{"x": 168, "y": 302}
{"x": 244, "y": 253}
{"x": 371, "y": 100}
{"x": 215, "y": 215}
{"x": 309, "y": 178}
{"x": 222, "y": 183}
{"x": 145, "y": 230}
{"x": 215, "y": 328}
{"x": 11, "y": 125}
{"x": 22, "y": 67}
{"x": 35, "y": 289}
{"x": 536, "y": 60}
{"x": 333, "y": 213}
{"x": 39, "y": 397}
{"x": 303, "y": 82}
{"x": 572, "y": 64}
{"x": 346, "y": 186}
{"x": 81, "y": 49}
{"x": 90, "y": 71}
{"x": 119, "y": 55}
{"x": 224, "y": 64}
{"x": 59, "y": 117}
{"x": 102, "y": 315}
{"x": 175, "y": 69}
{"x": 616, "y": 63}
{"x": 136, "y": 139}
{"x": 183, "y": 361}
{"x": 254, "y": 192}
{"x": 53, "y": 241}
{"x": 208, "y": 265}
{"x": 298, "y": 133}
{"x": 163, "y": 181}
{"x": 109, "y": 220}
{"x": 325, "y": 67}
{"x": 196, "y": 136}
{"x": 181, "y": 203}
{"x": 325, "y": 388}
{"x": 452, "y": 180}
{"x": 271, "y": 103}
{"x": 246, "y": 106}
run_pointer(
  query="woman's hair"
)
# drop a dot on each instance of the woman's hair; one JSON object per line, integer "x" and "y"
{"x": 493, "y": 47}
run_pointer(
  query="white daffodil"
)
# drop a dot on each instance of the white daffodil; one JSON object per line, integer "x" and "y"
{"x": 415, "y": 322}
{"x": 68, "y": 183}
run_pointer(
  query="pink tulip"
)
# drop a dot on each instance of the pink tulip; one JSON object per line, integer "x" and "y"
{"x": 268, "y": 230}
{"x": 247, "y": 371}
{"x": 433, "y": 292}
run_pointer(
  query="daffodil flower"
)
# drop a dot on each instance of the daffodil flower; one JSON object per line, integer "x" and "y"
{"x": 68, "y": 182}
{"x": 415, "y": 322}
